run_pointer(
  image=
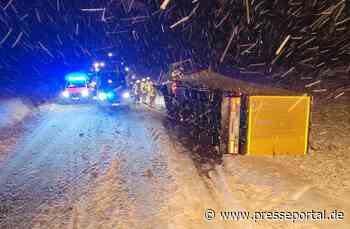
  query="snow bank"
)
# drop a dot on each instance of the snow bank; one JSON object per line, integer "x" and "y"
{"x": 159, "y": 102}
{"x": 13, "y": 111}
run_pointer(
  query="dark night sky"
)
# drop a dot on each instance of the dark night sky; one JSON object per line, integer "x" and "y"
{"x": 43, "y": 39}
{"x": 59, "y": 37}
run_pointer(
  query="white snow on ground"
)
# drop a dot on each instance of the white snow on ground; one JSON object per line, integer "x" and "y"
{"x": 159, "y": 102}
{"x": 317, "y": 181}
{"x": 242, "y": 183}
{"x": 160, "y": 185}
{"x": 12, "y": 111}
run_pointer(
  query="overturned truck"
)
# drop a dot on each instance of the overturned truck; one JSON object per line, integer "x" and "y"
{"x": 239, "y": 117}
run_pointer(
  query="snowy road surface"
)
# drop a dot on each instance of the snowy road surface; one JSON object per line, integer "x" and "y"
{"x": 83, "y": 167}
{"x": 96, "y": 167}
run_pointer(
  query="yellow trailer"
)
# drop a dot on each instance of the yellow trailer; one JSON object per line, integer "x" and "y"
{"x": 258, "y": 119}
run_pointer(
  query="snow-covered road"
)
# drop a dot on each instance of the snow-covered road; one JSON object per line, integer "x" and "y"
{"x": 113, "y": 166}
{"x": 79, "y": 166}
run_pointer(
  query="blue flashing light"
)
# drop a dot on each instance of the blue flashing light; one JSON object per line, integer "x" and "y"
{"x": 77, "y": 76}
{"x": 76, "y": 79}
{"x": 110, "y": 95}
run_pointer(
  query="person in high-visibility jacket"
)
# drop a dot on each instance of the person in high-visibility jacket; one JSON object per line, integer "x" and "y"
{"x": 151, "y": 93}
{"x": 143, "y": 87}
{"x": 137, "y": 91}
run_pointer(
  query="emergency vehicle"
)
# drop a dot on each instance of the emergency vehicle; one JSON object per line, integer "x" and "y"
{"x": 112, "y": 90}
{"x": 76, "y": 88}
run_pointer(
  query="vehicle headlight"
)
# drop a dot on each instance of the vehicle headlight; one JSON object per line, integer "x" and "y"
{"x": 102, "y": 96}
{"x": 85, "y": 93}
{"x": 65, "y": 94}
{"x": 126, "y": 95}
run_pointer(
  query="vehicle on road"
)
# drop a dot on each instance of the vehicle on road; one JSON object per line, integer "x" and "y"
{"x": 76, "y": 88}
{"x": 112, "y": 90}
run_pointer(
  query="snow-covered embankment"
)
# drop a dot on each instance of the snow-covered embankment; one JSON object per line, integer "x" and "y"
{"x": 12, "y": 111}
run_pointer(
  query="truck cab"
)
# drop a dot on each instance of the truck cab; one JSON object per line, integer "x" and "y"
{"x": 112, "y": 90}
